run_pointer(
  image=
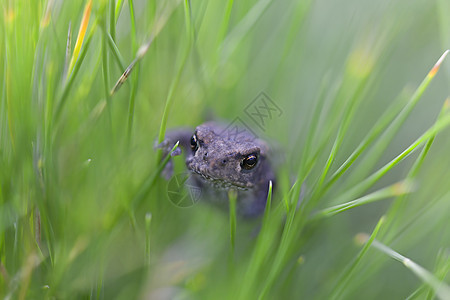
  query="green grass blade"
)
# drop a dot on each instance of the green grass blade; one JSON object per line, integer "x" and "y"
{"x": 157, "y": 27}
{"x": 134, "y": 89}
{"x": 68, "y": 50}
{"x": 150, "y": 181}
{"x": 376, "y": 130}
{"x": 313, "y": 124}
{"x": 374, "y": 154}
{"x": 225, "y": 21}
{"x": 135, "y": 81}
{"x": 372, "y": 179}
{"x": 395, "y": 212}
{"x": 235, "y": 37}
{"x": 118, "y": 9}
{"x": 115, "y": 51}
{"x": 400, "y": 188}
{"x": 72, "y": 76}
{"x": 268, "y": 203}
{"x": 133, "y": 25}
{"x": 442, "y": 268}
{"x": 441, "y": 289}
{"x": 269, "y": 232}
{"x": 105, "y": 67}
{"x": 417, "y": 293}
{"x": 350, "y": 269}
{"x": 290, "y": 229}
{"x": 174, "y": 84}
{"x": 112, "y": 19}
{"x": 148, "y": 220}
{"x": 342, "y": 131}
{"x": 81, "y": 34}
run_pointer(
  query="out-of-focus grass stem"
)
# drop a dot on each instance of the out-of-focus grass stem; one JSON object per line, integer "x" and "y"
{"x": 112, "y": 19}
{"x": 345, "y": 276}
{"x": 135, "y": 79}
{"x": 174, "y": 84}
{"x": 441, "y": 289}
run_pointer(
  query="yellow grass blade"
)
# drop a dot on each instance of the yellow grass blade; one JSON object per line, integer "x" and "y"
{"x": 437, "y": 65}
{"x": 81, "y": 34}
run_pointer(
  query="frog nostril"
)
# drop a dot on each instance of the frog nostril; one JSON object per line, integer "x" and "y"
{"x": 205, "y": 155}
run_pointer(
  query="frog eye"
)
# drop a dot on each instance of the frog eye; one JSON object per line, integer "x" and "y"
{"x": 249, "y": 162}
{"x": 194, "y": 143}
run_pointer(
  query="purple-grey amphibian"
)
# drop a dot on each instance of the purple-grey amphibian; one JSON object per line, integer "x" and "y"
{"x": 222, "y": 158}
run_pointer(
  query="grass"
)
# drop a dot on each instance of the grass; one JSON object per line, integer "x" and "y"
{"x": 89, "y": 87}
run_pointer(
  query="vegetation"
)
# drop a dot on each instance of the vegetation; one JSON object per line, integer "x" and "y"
{"x": 88, "y": 87}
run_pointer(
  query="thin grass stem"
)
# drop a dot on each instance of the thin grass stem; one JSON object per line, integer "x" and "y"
{"x": 441, "y": 289}
{"x": 351, "y": 268}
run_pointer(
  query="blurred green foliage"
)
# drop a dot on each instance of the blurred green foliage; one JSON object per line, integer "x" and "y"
{"x": 85, "y": 214}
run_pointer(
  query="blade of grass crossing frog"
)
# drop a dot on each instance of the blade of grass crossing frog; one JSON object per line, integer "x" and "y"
{"x": 266, "y": 237}
{"x": 268, "y": 203}
{"x": 150, "y": 181}
{"x": 281, "y": 254}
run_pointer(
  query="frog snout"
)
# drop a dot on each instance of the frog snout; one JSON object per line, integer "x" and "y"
{"x": 196, "y": 163}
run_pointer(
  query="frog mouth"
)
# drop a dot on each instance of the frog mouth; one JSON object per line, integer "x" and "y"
{"x": 219, "y": 183}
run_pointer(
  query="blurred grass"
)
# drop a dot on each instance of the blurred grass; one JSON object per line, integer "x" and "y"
{"x": 84, "y": 214}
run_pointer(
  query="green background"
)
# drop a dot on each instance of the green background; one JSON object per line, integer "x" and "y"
{"x": 85, "y": 214}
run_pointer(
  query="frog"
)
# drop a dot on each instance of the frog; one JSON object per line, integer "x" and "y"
{"x": 221, "y": 158}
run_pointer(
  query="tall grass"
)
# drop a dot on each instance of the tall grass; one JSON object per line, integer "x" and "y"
{"x": 87, "y": 89}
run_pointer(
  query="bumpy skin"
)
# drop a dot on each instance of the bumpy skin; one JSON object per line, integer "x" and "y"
{"x": 217, "y": 164}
